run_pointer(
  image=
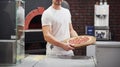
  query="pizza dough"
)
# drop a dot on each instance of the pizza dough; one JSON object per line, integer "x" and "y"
{"x": 83, "y": 40}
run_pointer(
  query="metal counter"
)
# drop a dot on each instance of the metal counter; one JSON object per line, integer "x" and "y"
{"x": 7, "y": 51}
{"x": 107, "y": 53}
{"x": 55, "y": 61}
{"x": 67, "y": 61}
{"x": 107, "y": 44}
{"x": 11, "y": 52}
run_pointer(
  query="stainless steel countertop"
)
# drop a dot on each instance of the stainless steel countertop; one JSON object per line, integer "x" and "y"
{"x": 107, "y": 43}
{"x": 56, "y": 61}
{"x": 67, "y": 61}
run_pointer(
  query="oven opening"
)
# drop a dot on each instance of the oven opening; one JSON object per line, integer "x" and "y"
{"x": 35, "y": 23}
{"x": 34, "y": 40}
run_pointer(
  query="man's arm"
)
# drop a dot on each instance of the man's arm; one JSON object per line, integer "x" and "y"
{"x": 19, "y": 31}
{"x": 51, "y": 39}
{"x": 73, "y": 33}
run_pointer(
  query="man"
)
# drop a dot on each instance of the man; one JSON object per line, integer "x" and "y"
{"x": 20, "y": 18}
{"x": 57, "y": 26}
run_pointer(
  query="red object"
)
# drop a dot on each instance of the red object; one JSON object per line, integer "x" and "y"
{"x": 79, "y": 40}
{"x": 31, "y": 15}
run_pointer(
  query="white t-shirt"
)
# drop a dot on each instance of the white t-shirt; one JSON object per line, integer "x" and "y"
{"x": 20, "y": 19}
{"x": 20, "y": 16}
{"x": 59, "y": 21}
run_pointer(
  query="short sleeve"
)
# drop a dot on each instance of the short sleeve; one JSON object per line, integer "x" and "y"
{"x": 20, "y": 17}
{"x": 46, "y": 19}
{"x": 70, "y": 21}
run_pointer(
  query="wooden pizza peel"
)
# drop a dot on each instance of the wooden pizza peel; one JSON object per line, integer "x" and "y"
{"x": 86, "y": 40}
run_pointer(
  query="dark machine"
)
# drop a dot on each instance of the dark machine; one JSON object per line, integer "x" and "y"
{"x": 7, "y": 21}
{"x": 10, "y": 50}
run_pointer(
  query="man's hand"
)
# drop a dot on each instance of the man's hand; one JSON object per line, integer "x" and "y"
{"x": 68, "y": 47}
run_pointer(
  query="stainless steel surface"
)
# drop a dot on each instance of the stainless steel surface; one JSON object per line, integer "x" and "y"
{"x": 11, "y": 52}
{"x": 108, "y": 44}
{"x": 107, "y": 54}
{"x": 90, "y": 51}
{"x": 33, "y": 30}
{"x": 55, "y": 61}
{"x": 102, "y": 27}
{"x": 7, "y": 51}
{"x": 102, "y": 33}
{"x": 66, "y": 61}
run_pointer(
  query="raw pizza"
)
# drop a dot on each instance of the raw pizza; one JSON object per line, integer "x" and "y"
{"x": 83, "y": 40}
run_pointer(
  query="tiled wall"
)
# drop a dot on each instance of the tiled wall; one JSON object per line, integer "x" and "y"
{"x": 115, "y": 19}
{"x": 83, "y": 14}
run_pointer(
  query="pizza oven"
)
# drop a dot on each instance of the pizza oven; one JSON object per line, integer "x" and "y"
{"x": 34, "y": 40}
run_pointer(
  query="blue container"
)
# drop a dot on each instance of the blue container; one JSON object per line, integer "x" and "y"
{"x": 89, "y": 30}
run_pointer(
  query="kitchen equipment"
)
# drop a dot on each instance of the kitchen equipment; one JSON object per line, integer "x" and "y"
{"x": 11, "y": 49}
{"x": 7, "y": 51}
{"x": 10, "y": 53}
{"x": 34, "y": 37}
{"x": 102, "y": 33}
{"x": 101, "y": 21}
{"x": 101, "y": 15}
{"x": 7, "y": 20}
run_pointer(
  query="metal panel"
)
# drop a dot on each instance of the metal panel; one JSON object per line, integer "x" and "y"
{"x": 7, "y": 51}
{"x": 91, "y": 50}
{"x": 107, "y": 54}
